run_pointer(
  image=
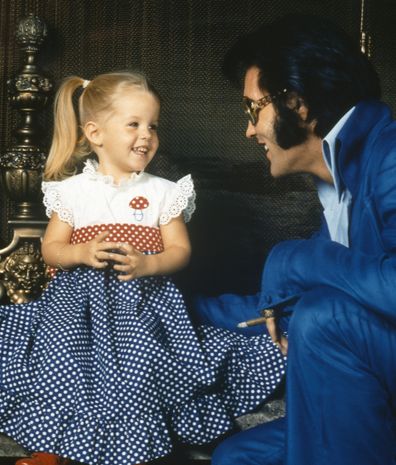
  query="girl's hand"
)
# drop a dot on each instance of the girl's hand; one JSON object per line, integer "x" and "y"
{"x": 133, "y": 264}
{"x": 129, "y": 261}
{"x": 95, "y": 253}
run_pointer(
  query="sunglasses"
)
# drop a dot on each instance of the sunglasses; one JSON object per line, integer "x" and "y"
{"x": 252, "y": 107}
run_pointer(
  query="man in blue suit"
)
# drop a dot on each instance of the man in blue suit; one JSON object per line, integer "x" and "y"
{"x": 312, "y": 99}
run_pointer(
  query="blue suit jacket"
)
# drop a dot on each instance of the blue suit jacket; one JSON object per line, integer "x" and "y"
{"x": 367, "y": 269}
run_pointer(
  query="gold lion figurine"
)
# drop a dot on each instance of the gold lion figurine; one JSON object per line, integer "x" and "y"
{"x": 24, "y": 274}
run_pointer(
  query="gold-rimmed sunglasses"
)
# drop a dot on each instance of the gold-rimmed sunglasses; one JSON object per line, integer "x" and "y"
{"x": 252, "y": 107}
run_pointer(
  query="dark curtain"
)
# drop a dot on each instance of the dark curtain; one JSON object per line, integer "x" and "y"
{"x": 179, "y": 44}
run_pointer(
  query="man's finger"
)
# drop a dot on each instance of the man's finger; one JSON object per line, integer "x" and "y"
{"x": 272, "y": 329}
{"x": 283, "y": 345}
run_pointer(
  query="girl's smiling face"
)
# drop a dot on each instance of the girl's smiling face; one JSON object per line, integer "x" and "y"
{"x": 125, "y": 139}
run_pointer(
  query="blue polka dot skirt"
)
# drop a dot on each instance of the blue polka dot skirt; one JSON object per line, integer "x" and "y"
{"x": 109, "y": 373}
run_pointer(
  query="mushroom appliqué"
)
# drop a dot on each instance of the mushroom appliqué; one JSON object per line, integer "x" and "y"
{"x": 138, "y": 204}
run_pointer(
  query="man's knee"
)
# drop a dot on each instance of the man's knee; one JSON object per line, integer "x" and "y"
{"x": 319, "y": 312}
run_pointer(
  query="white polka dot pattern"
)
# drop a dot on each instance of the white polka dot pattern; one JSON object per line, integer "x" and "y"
{"x": 107, "y": 372}
{"x": 139, "y": 203}
{"x": 143, "y": 238}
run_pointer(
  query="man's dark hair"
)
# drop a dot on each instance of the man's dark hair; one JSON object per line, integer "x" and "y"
{"x": 318, "y": 64}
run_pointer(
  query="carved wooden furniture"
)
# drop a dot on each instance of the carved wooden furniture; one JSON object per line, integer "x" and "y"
{"x": 22, "y": 271}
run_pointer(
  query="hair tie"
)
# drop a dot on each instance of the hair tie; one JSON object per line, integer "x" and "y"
{"x": 85, "y": 83}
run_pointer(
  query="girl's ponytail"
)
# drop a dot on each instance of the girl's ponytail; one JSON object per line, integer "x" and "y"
{"x": 68, "y": 143}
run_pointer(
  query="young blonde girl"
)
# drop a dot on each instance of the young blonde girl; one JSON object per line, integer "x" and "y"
{"x": 106, "y": 368}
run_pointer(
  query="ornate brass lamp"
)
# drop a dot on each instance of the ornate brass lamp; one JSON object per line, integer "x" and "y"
{"x": 21, "y": 170}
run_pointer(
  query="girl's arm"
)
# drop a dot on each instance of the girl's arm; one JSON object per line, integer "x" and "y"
{"x": 59, "y": 253}
{"x": 176, "y": 254}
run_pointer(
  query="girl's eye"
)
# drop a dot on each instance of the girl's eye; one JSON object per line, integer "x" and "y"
{"x": 153, "y": 127}
{"x": 134, "y": 124}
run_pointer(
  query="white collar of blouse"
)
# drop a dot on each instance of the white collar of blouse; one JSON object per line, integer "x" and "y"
{"x": 91, "y": 168}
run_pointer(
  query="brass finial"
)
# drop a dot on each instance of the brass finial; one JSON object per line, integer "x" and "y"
{"x": 365, "y": 37}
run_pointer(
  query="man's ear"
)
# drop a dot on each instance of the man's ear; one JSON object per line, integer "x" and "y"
{"x": 296, "y": 103}
{"x": 302, "y": 109}
{"x": 93, "y": 133}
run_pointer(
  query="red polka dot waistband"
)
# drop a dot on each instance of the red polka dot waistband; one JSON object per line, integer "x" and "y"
{"x": 143, "y": 238}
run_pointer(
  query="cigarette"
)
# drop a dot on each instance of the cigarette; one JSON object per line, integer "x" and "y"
{"x": 254, "y": 322}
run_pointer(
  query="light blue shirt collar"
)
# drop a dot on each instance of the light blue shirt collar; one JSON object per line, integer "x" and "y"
{"x": 335, "y": 198}
{"x": 329, "y": 149}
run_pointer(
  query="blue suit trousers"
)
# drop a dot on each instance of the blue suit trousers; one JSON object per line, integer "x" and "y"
{"x": 341, "y": 391}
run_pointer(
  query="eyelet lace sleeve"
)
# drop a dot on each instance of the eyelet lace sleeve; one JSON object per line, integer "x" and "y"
{"x": 53, "y": 202}
{"x": 183, "y": 201}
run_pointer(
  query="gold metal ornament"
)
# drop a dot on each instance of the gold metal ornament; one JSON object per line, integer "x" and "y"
{"x": 22, "y": 270}
{"x": 24, "y": 274}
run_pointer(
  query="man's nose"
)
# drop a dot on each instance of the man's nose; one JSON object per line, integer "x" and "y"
{"x": 250, "y": 130}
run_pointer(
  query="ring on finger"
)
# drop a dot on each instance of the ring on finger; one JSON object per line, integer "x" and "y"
{"x": 268, "y": 313}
